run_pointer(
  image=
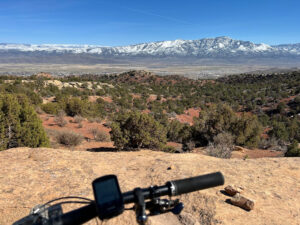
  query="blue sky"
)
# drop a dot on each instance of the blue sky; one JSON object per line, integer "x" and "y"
{"x": 116, "y": 22}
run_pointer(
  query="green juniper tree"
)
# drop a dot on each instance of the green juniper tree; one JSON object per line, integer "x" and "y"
{"x": 135, "y": 130}
{"x": 19, "y": 123}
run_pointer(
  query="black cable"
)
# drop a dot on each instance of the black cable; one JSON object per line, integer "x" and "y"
{"x": 72, "y": 202}
{"x": 67, "y": 197}
{"x": 61, "y": 203}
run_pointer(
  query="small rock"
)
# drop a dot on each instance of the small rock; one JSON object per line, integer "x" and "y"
{"x": 232, "y": 191}
{"x": 172, "y": 167}
{"x": 242, "y": 202}
{"x": 238, "y": 148}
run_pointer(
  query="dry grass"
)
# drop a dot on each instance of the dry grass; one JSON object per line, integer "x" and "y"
{"x": 60, "y": 119}
{"x": 222, "y": 146}
{"x": 92, "y": 120}
{"x": 78, "y": 119}
{"x": 99, "y": 135}
{"x": 68, "y": 138}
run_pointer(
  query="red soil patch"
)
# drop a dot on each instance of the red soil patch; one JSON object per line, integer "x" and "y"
{"x": 107, "y": 99}
{"x": 256, "y": 153}
{"x": 175, "y": 145}
{"x": 246, "y": 113}
{"x": 147, "y": 111}
{"x": 48, "y": 123}
{"x": 286, "y": 100}
{"x": 265, "y": 133}
{"x": 93, "y": 98}
{"x": 193, "y": 112}
{"x": 188, "y": 116}
{"x": 45, "y": 75}
{"x": 136, "y": 96}
{"x": 152, "y": 98}
{"x": 47, "y": 100}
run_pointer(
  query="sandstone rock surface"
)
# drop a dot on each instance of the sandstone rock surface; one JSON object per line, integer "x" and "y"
{"x": 32, "y": 176}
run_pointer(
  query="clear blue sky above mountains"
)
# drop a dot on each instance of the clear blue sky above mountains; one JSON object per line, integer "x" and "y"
{"x": 117, "y": 22}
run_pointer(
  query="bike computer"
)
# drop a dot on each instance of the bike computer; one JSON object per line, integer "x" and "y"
{"x": 108, "y": 197}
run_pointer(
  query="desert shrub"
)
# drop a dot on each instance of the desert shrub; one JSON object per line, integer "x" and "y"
{"x": 135, "y": 130}
{"x": 177, "y": 131}
{"x": 169, "y": 149}
{"x": 19, "y": 123}
{"x": 34, "y": 98}
{"x": 139, "y": 104}
{"x": 60, "y": 118}
{"x": 94, "y": 119}
{"x": 50, "y": 108}
{"x": 294, "y": 129}
{"x": 247, "y": 131}
{"x": 188, "y": 145}
{"x": 68, "y": 138}
{"x": 98, "y": 120}
{"x": 75, "y": 106}
{"x": 281, "y": 107}
{"x": 78, "y": 119}
{"x": 225, "y": 139}
{"x": 272, "y": 143}
{"x": 214, "y": 120}
{"x": 279, "y": 130}
{"x": 107, "y": 124}
{"x": 293, "y": 150}
{"x": 218, "y": 151}
{"x": 222, "y": 146}
{"x": 99, "y": 135}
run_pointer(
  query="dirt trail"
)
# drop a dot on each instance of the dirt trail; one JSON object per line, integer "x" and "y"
{"x": 32, "y": 176}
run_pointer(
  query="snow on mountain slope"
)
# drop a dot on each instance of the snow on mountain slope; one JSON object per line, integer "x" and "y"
{"x": 210, "y": 47}
{"x": 293, "y": 48}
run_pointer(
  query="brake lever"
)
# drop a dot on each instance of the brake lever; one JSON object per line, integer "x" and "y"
{"x": 40, "y": 215}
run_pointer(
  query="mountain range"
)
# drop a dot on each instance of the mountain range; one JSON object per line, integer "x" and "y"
{"x": 223, "y": 49}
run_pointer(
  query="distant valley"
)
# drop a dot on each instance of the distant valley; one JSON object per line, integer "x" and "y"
{"x": 209, "y": 57}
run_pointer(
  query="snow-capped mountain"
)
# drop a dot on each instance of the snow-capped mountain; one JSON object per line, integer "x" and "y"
{"x": 208, "y": 47}
{"x": 208, "y": 51}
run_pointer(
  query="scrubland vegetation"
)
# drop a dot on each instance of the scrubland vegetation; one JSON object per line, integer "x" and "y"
{"x": 142, "y": 110}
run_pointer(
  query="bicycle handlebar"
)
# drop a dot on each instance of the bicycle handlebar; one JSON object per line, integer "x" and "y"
{"x": 197, "y": 183}
{"x": 79, "y": 216}
{"x": 171, "y": 188}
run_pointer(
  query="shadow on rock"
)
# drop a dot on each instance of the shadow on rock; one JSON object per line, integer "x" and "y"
{"x": 102, "y": 149}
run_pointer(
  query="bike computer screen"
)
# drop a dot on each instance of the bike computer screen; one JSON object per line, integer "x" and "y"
{"x": 108, "y": 197}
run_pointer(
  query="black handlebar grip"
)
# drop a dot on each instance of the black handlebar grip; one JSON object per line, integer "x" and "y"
{"x": 196, "y": 183}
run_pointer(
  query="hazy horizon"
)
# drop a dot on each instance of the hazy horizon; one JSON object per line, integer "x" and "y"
{"x": 99, "y": 45}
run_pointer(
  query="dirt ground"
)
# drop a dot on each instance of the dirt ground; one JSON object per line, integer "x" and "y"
{"x": 84, "y": 128}
{"x": 188, "y": 116}
{"x": 32, "y": 176}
